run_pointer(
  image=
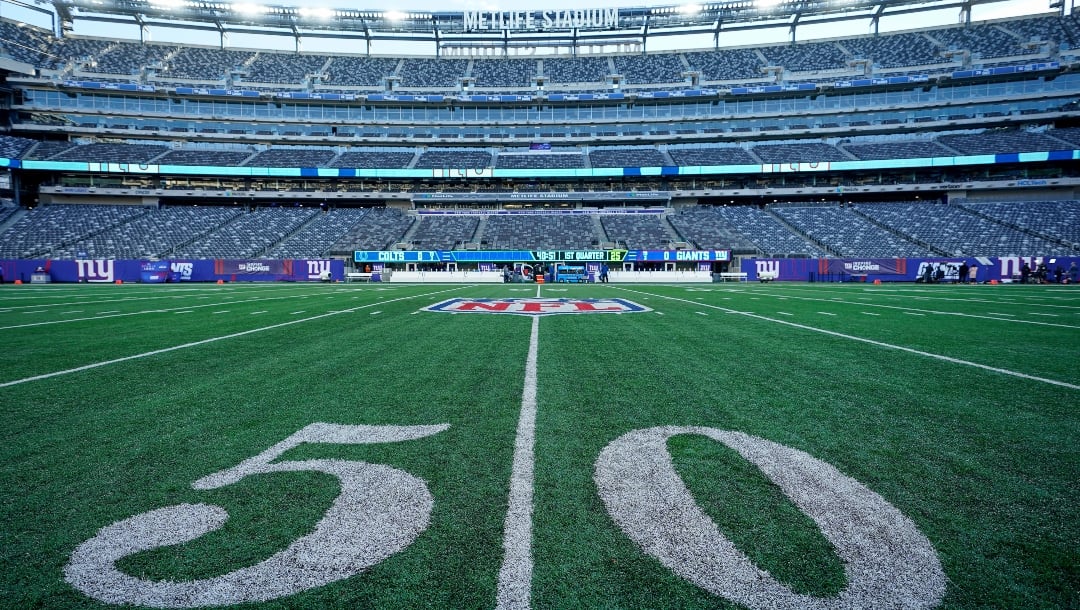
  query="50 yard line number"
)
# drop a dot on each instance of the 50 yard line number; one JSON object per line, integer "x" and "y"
{"x": 381, "y": 510}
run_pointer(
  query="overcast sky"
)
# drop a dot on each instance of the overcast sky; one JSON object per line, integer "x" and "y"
{"x": 1009, "y": 8}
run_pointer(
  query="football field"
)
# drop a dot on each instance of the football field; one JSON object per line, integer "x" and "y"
{"x": 556, "y": 446}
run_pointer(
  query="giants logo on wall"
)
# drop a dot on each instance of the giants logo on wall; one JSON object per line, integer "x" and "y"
{"x": 537, "y": 306}
{"x": 315, "y": 269}
{"x": 768, "y": 267}
{"x": 96, "y": 270}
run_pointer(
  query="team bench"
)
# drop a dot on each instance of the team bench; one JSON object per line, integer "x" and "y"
{"x": 358, "y": 277}
{"x": 733, "y": 275}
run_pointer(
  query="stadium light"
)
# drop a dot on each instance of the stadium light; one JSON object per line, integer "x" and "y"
{"x": 690, "y": 9}
{"x": 767, "y": 3}
{"x": 394, "y": 16}
{"x": 247, "y": 8}
{"x": 317, "y": 12}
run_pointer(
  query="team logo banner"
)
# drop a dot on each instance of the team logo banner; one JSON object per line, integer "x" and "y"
{"x": 537, "y": 306}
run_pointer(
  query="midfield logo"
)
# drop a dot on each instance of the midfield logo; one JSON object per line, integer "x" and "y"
{"x": 537, "y": 306}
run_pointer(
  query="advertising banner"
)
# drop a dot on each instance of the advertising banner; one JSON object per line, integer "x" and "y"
{"x": 107, "y": 271}
{"x": 877, "y": 266}
{"x": 1003, "y": 269}
{"x": 155, "y": 272}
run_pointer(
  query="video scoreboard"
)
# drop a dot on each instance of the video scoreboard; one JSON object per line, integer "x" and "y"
{"x": 540, "y": 256}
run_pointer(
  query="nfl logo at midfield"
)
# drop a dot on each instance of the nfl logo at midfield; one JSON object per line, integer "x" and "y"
{"x": 537, "y": 306}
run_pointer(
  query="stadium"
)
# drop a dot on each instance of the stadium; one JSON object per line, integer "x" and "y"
{"x": 546, "y": 307}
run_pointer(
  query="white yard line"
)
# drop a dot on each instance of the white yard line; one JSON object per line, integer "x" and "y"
{"x": 901, "y": 348}
{"x": 901, "y": 294}
{"x": 515, "y": 575}
{"x": 988, "y": 316}
{"x": 126, "y": 299}
{"x": 103, "y": 315}
{"x": 174, "y": 348}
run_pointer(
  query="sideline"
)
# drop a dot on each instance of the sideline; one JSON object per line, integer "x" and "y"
{"x": 174, "y": 348}
{"x": 901, "y": 348}
{"x": 515, "y": 575}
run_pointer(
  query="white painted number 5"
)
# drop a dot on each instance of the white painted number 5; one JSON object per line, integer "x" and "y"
{"x": 380, "y": 511}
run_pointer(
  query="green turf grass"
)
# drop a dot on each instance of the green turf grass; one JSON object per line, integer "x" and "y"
{"x": 984, "y": 463}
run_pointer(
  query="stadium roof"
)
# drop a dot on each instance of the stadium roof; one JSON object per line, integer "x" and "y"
{"x": 541, "y": 27}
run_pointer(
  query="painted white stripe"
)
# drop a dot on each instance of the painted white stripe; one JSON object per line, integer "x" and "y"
{"x": 71, "y": 312}
{"x": 255, "y": 313}
{"x": 375, "y": 313}
{"x": 945, "y": 313}
{"x": 222, "y": 311}
{"x": 242, "y": 333}
{"x": 1049, "y": 315}
{"x": 515, "y": 575}
{"x": 659, "y": 313}
{"x": 185, "y": 311}
{"x": 103, "y": 315}
{"x": 294, "y": 313}
{"x": 1007, "y": 315}
{"x": 912, "y": 313}
{"x": 784, "y": 313}
{"x": 826, "y": 313}
{"x": 701, "y": 313}
{"x": 867, "y": 313}
{"x": 901, "y": 348}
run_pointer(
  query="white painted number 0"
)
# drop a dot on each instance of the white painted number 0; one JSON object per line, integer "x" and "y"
{"x": 379, "y": 512}
{"x": 887, "y": 562}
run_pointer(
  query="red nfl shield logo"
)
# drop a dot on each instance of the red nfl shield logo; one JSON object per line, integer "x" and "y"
{"x": 537, "y": 306}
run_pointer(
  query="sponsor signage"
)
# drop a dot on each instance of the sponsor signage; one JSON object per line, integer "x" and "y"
{"x": 537, "y": 306}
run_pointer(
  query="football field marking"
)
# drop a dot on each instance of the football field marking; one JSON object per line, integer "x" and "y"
{"x": 987, "y": 316}
{"x": 515, "y": 575}
{"x": 901, "y": 348}
{"x": 103, "y": 315}
{"x": 242, "y": 333}
{"x": 999, "y": 300}
{"x": 888, "y": 562}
